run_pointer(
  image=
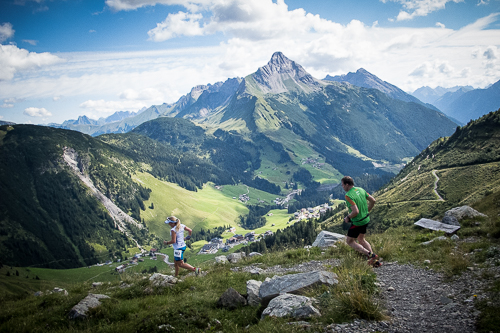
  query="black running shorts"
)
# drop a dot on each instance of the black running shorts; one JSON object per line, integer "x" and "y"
{"x": 354, "y": 231}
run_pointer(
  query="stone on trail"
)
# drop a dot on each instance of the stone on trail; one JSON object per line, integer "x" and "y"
{"x": 288, "y": 305}
{"x": 294, "y": 283}
{"x": 327, "y": 239}
{"x": 436, "y": 225}
{"x": 91, "y": 301}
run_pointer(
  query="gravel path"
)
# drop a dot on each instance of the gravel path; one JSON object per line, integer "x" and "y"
{"x": 416, "y": 299}
{"x": 421, "y": 300}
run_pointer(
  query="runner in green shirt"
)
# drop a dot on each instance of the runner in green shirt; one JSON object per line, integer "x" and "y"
{"x": 360, "y": 203}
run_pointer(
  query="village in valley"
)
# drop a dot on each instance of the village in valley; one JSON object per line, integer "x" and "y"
{"x": 217, "y": 244}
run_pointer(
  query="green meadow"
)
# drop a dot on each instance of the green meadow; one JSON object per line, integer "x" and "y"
{"x": 207, "y": 208}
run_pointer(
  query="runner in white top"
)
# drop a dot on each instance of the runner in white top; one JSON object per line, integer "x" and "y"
{"x": 177, "y": 233}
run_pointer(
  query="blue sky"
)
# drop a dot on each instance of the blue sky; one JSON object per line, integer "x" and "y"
{"x": 63, "y": 58}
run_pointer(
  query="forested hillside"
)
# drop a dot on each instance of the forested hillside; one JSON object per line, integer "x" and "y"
{"x": 47, "y": 217}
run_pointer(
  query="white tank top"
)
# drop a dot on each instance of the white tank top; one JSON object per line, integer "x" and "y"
{"x": 179, "y": 243}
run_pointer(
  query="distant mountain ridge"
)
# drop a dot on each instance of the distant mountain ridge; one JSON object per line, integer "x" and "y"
{"x": 430, "y": 95}
{"x": 472, "y": 104}
{"x": 365, "y": 79}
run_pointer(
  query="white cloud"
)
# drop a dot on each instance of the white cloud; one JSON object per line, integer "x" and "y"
{"x": 56, "y": 98}
{"x": 37, "y": 112}
{"x": 416, "y": 8}
{"x": 490, "y": 53}
{"x": 180, "y": 24}
{"x": 6, "y": 31}
{"x": 30, "y": 41}
{"x": 440, "y": 25}
{"x": 14, "y": 59}
{"x": 118, "y": 5}
{"x": 5, "y": 106}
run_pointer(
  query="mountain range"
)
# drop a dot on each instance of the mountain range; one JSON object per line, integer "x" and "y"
{"x": 274, "y": 127}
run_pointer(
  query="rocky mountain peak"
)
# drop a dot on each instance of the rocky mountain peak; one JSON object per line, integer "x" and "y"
{"x": 282, "y": 75}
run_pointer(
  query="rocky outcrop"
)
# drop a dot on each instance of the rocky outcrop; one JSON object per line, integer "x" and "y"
{"x": 288, "y": 305}
{"x": 162, "y": 280}
{"x": 463, "y": 212}
{"x": 294, "y": 283}
{"x": 235, "y": 257}
{"x": 231, "y": 299}
{"x": 253, "y": 288}
{"x": 327, "y": 239}
{"x": 221, "y": 260}
{"x": 80, "y": 310}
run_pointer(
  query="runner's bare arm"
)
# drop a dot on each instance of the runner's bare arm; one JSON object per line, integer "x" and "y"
{"x": 371, "y": 202}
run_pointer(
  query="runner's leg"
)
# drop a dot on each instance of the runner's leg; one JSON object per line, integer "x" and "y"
{"x": 352, "y": 243}
{"x": 362, "y": 241}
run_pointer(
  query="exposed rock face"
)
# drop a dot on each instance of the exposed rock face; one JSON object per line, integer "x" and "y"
{"x": 221, "y": 260}
{"x": 273, "y": 77}
{"x": 463, "y": 212}
{"x": 436, "y": 225}
{"x": 294, "y": 283}
{"x": 235, "y": 257}
{"x": 231, "y": 299}
{"x": 253, "y": 254}
{"x": 80, "y": 310}
{"x": 253, "y": 288}
{"x": 327, "y": 238}
{"x": 288, "y": 305}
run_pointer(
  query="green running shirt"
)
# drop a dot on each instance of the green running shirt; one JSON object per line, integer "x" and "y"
{"x": 359, "y": 196}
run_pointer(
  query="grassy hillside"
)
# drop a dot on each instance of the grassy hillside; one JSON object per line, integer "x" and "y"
{"x": 463, "y": 169}
{"x": 207, "y": 208}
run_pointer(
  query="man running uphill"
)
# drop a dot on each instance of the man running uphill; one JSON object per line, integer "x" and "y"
{"x": 177, "y": 233}
{"x": 360, "y": 203}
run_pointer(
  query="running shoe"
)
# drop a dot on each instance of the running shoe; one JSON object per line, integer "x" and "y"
{"x": 377, "y": 263}
{"x": 372, "y": 258}
{"x": 197, "y": 271}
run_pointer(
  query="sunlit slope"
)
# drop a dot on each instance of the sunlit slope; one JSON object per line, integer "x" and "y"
{"x": 206, "y": 208}
{"x": 459, "y": 170}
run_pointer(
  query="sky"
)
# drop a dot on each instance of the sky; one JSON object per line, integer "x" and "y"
{"x": 60, "y": 59}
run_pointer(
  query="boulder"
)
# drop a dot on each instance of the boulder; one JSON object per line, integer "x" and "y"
{"x": 80, "y": 310}
{"x": 436, "y": 225}
{"x": 231, "y": 299}
{"x": 288, "y": 305}
{"x": 221, "y": 259}
{"x": 450, "y": 219}
{"x": 327, "y": 238}
{"x": 96, "y": 284}
{"x": 235, "y": 257}
{"x": 253, "y": 254}
{"x": 294, "y": 283}
{"x": 61, "y": 291}
{"x": 38, "y": 293}
{"x": 162, "y": 280}
{"x": 464, "y": 212}
{"x": 253, "y": 287}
